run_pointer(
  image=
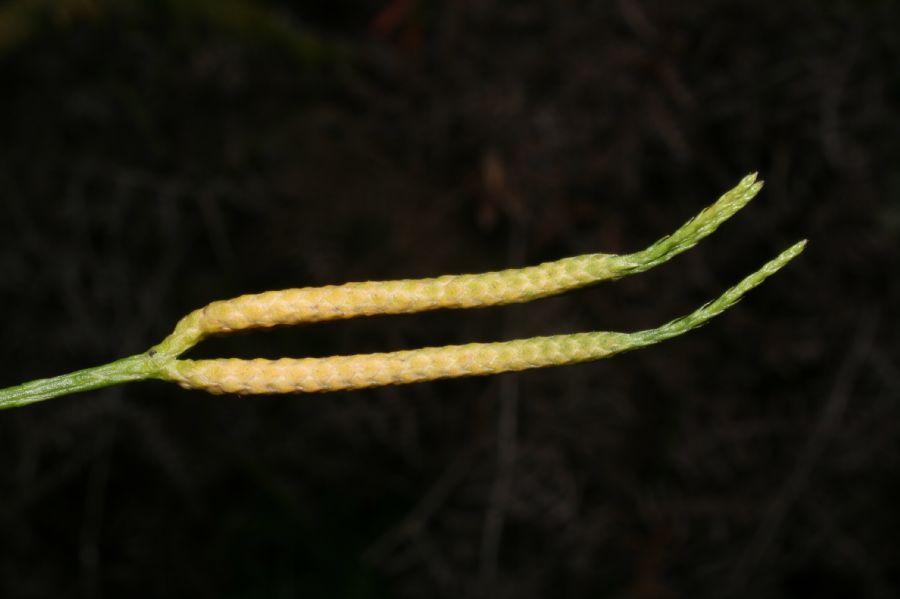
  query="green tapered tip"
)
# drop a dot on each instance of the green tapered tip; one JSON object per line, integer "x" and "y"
{"x": 712, "y": 309}
{"x": 694, "y": 230}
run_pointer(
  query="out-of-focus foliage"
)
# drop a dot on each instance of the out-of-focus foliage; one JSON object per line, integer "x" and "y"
{"x": 756, "y": 458}
{"x": 245, "y": 21}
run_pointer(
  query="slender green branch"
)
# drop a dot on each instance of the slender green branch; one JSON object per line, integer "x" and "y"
{"x": 135, "y": 368}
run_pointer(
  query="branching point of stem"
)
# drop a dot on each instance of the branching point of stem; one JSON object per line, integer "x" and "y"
{"x": 361, "y": 299}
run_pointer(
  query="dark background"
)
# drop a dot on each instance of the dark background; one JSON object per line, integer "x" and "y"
{"x": 157, "y": 155}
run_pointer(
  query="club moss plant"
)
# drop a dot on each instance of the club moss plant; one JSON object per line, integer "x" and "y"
{"x": 294, "y": 306}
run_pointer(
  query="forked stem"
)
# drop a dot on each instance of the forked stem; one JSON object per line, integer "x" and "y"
{"x": 294, "y": 306}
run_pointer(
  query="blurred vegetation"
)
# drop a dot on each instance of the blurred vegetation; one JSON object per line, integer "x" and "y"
{"x": 244, "y": 21}
{"x": 157, "y": 155}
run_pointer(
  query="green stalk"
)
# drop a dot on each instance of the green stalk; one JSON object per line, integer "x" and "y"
{"x": 134, "y": 368}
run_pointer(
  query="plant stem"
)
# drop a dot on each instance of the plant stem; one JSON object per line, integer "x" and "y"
{"x": 134, "y": 368}
{"x": 295, "y": 306}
